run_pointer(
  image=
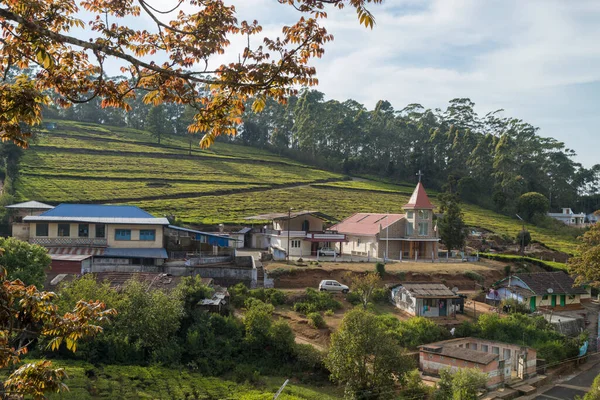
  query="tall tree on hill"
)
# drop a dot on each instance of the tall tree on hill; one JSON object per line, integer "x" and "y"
{"x": 532, "y": 204}
{"x": 156, "y": 121}
{"x": 451, "y": 226}
{"x": 586, "y": 266}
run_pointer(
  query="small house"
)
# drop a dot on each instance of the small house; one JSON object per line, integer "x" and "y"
{"x": 20, "y": 229}
{"x": 541, "y": 289}
{"x": 568, "y": 217}
{"x": 426, "y": 299}
{"x": 501, "y": 362}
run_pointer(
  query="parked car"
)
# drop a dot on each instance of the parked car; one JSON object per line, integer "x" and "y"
{"x": 327, "y": 251}
{"x": 333, "y": 286}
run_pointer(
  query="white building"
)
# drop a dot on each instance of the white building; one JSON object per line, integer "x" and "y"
{"x": 568, "y": 217}
{"x": 303, "y": 231}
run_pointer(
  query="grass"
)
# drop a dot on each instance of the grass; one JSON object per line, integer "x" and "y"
{"x": 133, "y": 382}
{"x": 90, "y": 162}
{"x": 548, "y": 265}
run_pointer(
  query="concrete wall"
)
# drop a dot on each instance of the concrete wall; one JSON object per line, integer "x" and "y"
{"x": 302, "y": 251}
{"x": 21, "y": 231}
{"x": 359, "y": 245}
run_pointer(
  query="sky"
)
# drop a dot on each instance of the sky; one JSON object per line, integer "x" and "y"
{"x": 539, "y": 60}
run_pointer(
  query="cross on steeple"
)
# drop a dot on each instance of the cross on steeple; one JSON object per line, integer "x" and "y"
{"x": 420, "y": 174}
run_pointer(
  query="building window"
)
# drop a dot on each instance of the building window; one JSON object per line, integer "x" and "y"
{"x": 484, "y": 348}
{"x": 409, "y": 229}
{"x": 295, "y": 244}
{"x": 41, "y": 229}
{"x": 148, "y": 234}
{"x": 64, "y": 230}
{"x": 571, "y": 297}
{"x": 84, "y": 230}
{"x": 410, "y": 214}
{"x": 423, "y": 214}
{"x": 123, "y": 234}
{"x": 506, "y": 354}
{"x": 473, "y": 346}
{"x": 495, "y": 350}
{"x": 423, "y": 228}
{"x": 545, "y": 297}
{"x": 100, "y": 231}
{"x": 358, "y": 242}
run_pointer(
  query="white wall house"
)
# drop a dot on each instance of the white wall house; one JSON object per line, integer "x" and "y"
{"x": 568, "y": 217}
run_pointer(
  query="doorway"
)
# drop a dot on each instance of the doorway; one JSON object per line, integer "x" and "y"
{"x": 443, "y": 308}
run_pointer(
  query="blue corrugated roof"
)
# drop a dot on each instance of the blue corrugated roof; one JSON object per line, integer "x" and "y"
{"x": 179, "y": 228}
{"x": 135, "y": 253}
{"x": 96, "y": 211}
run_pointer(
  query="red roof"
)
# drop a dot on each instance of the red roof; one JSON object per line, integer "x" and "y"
{"x": 419, "y": 199}
{"x": 366, "y": 223}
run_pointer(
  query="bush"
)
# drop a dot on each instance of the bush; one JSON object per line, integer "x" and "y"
{"x": 507, "y": 270}
{"x": 240, "y": 293}
{"x": 514, "y": 306}
{"x": 380, "y": 269}
{"x": 353, "y": 298}
{"x": 244, "y": 373}
{"x": 329, "y": 313}
{"x": 380, "y": 295}
{"x": 314, "y": 301}
{"x": 316, "y": 320}
{"x": 474, "y": 276}
{"x": 547, "y": 265}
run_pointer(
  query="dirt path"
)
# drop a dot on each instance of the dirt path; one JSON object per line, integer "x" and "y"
{"x": 302, "y": 340}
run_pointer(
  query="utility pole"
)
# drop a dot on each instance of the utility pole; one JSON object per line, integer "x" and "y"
{"x": 522, "y": 236}
{"x": 287, "y": 253}
{"x": 387, "y": 237}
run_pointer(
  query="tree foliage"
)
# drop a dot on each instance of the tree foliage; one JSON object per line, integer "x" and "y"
{"x": 24, "y": 261}
{"x": 28, "y": 315}
{"x": 365, "y": 357}
{"x": 451, "y": 227}
{"x": 586, "y": 266}
{"x": 462, "y": 384}
{"x": 364, "y": 285}
{"x": 531, "y": 204}
{"x": 523, "y": 239}
{"x": 40, "y": 34}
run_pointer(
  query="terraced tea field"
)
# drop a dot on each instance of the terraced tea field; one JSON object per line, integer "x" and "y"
{"x": 92, "y": 163}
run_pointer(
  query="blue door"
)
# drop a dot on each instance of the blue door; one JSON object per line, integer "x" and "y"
{"x": 443, "y": 308}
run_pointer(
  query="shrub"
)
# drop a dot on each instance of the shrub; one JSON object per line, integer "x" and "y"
{"x": 380, "y": 295}
{"x": 278, "y": 272}
{"x": 353, "y": 298}
{"x": 329, "y": 313}
{"x": 238, "y": 295}
{"x": 513, "y": 305}
{"x": 474, "y": 276}
{"x": 316, "y": 320}
{"x": 380, "y": 269}
{"x": 244, "y": 373}
{"x": 507, "y": 270}
{"x": 314, "y": 301}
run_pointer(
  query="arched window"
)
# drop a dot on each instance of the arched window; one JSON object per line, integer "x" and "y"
{"x": 305, "y": 225}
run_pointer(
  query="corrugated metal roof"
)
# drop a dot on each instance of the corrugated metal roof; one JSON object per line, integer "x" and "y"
{"x": 285, "y": 215}
{"x": 366, "y": 223}
{"x": 92, "y": 251}
{"x": 433, "y": 290}
{"x": 539, "y": 282}
{"x": 135, "y": 253}
{"x": 99, "y": 220}
{"x": 245, "y": 230}
{"x": 70, "y": 257}
{"x": 179, "y": 228}
{"x": 31, "y": 205}
{"x": 97, "y": 211}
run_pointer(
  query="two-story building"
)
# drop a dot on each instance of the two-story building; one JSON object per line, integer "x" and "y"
{"x": 304, "y": 231}
{"x": 411, "y": 235}
{"x": 114, "y": 236}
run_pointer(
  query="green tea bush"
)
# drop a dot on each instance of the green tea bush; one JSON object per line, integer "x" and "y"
{"x": 316, "y": 320}
{"x": 474, "y": 276}
{"x": 314, "y": 301}
{"x": 380, "y": 269}
{"x": 380, "y": 295}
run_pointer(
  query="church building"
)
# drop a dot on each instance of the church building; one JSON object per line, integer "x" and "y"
{"x": 410, "y": 236}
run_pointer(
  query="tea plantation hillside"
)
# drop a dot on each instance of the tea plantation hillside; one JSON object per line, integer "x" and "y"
{"x": 82, "y": 162}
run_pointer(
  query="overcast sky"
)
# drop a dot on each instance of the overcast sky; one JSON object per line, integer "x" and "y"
{"x": 537, "y": 59}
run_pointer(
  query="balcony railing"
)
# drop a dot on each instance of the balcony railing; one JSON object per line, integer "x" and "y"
{"x": 322, "y": 236}
{"x": 66, "y": 241}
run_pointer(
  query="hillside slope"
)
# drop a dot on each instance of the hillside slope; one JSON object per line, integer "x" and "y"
{"x": 93, "y": 163}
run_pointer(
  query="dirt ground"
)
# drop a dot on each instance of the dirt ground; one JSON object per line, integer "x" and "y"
{"x": 451, "y": 274}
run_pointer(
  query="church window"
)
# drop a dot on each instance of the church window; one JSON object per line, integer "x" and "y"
{"x": 410, "y": 214}
{"x": 423, "y": 229}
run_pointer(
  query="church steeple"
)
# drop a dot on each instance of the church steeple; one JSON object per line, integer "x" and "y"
{"x": 419, "y": 198}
